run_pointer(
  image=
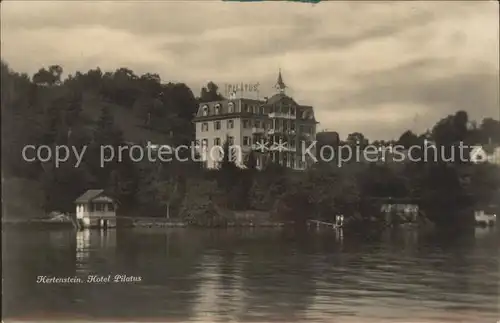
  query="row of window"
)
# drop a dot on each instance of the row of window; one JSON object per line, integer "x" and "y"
{"x": 231, "y": 109}
{"x": 247, "y": 141}
{"x": 259, "y": 124}
{"x": 217, "y": 125}
{"x": 217, "y": 142}
{"x": 101, "y": 207}
{"x": 247, "y": 124}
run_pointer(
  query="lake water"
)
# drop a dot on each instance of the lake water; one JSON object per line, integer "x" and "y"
{"x": 259, "y": 275}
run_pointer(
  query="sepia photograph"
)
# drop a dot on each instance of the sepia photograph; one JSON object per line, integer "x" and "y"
{"x": 250, "y": 161}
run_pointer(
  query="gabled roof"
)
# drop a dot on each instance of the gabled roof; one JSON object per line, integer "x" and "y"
{"x": 89, "y": 196}
{"x": 278, "y": 97}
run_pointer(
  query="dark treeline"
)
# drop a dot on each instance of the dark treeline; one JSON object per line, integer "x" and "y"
{"x": 109, "y": 108}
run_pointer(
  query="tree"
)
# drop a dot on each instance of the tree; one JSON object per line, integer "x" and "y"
{"x": 150, "y": 111}
{"x": 228, "y": 176}
{"x": 251, "y": 161}
{"x": 408, "y": 139}
{"x": 124, "y": 182}
{"x": 73, "y": 108}
{"x": 490, "y": 131}
{"x": 105, "y": 131}
{"x": 48, "y": 77}
{"x": 357, "y": 139}
{"x": 210, "y": 93}
{"x": 102, "y": 155}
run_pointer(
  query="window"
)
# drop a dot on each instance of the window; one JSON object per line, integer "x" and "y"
{"x": 230, "y": 124}
{"x": 204, "y": 142}
{"x": 217, "y": 109}
{"x": 292, "y": 111}
{"x": 217, "y": 125}
{"x": 246, "y": 141}
{"x": 231, "y": 141}
{"x": 111, "y": 207}
{"x": 257, "y": 124}
{"x": 249, "y": 109}
{"x": 204, "y": 126}
{"x": 230, "y": 107}
{"x": 217, "y": 142}
{"x": 205, "y": 110}
{"x": 98, "y": 207}
{"x": 246, "y": 124}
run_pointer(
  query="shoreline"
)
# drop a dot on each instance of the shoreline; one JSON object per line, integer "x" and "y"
{"x": 149, "y": 223}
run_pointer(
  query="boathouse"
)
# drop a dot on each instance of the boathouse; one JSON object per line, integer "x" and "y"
{"x": 95, "y": 209}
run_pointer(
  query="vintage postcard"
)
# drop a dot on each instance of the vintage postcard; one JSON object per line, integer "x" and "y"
{"x": 250, "y": 161}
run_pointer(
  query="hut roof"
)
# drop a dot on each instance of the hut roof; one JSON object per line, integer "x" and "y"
{"x": 89, "y": 196}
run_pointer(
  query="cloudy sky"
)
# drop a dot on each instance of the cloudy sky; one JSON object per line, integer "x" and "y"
{"x": 379, "y": 68}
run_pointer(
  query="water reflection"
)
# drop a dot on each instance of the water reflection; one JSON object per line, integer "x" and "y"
{"x": 206, "y": 307}
{"x": 256, "y": 275}
{"x": 339, "y": 236}
{"x": 82, "y": 252}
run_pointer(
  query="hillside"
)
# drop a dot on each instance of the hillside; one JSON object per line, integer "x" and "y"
{"x": 125, "y": 119}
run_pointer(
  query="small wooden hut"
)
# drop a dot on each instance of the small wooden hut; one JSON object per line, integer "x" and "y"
{"x": 94, "y": 209}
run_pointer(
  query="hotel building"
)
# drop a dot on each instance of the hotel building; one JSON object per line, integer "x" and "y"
{"x": 279, "y": 123}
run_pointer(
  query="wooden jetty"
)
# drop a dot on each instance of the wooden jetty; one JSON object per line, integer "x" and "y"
{"x": 318, "y": 224}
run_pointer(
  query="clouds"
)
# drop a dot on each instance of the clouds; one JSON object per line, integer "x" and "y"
{"x": 364, "y": 66}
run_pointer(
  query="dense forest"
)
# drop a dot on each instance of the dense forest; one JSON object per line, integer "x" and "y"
{"x": 109, "y": 108}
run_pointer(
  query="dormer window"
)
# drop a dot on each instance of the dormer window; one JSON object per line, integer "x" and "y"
{"x": 230, "y": 107}
{"x": 205, "y": 110}
{"x": 217, "y": 109}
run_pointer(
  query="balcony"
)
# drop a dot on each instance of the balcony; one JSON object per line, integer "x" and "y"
{"x": 258, "y": 130}
{"x": 282, "y": 115}
{"x": 273, "y": 131}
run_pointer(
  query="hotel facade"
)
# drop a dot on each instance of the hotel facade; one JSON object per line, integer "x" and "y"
{"x": 276, "y": 129}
